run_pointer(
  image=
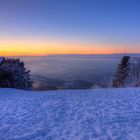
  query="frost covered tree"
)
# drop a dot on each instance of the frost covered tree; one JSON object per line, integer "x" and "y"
{"x": 13, "y": 74}
{"x": 122, "y": 73}
{"x": 135, "y": 71}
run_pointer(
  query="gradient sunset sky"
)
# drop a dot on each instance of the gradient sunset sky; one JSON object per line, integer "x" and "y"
{"x": 41, "y": 27}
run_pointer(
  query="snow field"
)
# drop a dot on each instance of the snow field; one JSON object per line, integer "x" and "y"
{"x": 106, "y": 114}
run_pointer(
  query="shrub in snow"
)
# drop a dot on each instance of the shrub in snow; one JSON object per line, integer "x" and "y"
{"x": 13, "y": 74}
{"x": 122, "y": 73}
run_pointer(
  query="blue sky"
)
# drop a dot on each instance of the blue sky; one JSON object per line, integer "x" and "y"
{"x": 94, "y": 21}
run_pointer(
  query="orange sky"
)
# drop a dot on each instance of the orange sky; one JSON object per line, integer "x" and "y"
{"x": 41, "y": 47}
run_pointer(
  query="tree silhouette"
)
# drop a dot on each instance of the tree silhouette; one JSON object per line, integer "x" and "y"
{"x": 122, "y": 73}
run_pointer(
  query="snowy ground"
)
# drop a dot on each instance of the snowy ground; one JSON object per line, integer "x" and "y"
{"x": 70, "y": 115}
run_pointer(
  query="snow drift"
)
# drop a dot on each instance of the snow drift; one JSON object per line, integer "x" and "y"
{"x": 111, "y": 114}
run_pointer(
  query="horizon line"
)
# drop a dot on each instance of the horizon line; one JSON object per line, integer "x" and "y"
{"x": 66, "y": 54}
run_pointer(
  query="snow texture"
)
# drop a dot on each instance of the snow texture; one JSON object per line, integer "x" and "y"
{"x": 104, "y": 114}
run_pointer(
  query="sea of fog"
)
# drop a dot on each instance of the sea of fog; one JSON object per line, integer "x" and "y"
{"x": 97, "y": 69}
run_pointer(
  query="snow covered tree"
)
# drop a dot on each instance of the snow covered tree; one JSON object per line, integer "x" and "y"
{"x": 135, "y": 71}
{"x": 13, "y": 74}
{"x": 122, "y": 73}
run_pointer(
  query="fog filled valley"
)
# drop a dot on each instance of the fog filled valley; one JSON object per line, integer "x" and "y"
{"x": 72, "y": 71}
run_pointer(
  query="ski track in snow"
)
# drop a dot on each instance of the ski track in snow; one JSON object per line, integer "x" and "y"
{"x": 105, "y": 114}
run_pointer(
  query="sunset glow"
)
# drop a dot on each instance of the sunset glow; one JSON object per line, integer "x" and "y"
{"x": 33, "y": 47}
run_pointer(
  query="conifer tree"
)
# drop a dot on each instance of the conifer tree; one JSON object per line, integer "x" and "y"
{"x": 135, "y": 71}
{"x": 13, "y": 74}
{"x": 122, "y": 73}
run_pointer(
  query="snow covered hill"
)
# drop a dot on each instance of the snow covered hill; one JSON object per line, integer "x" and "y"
{"x": 111, "y": 114}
